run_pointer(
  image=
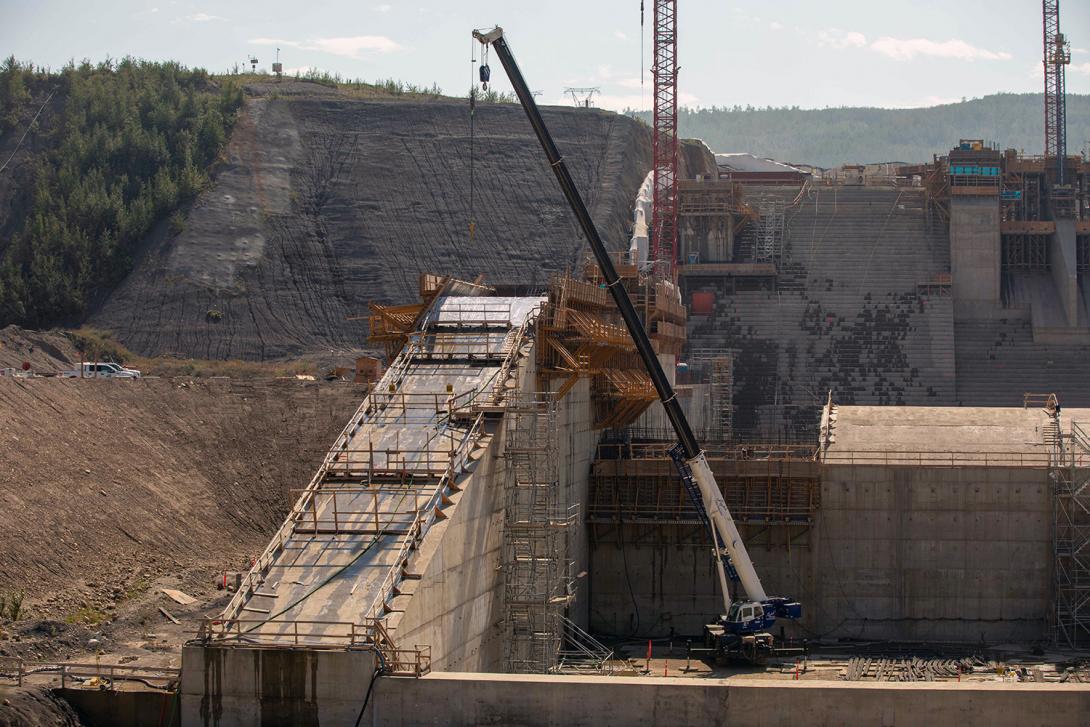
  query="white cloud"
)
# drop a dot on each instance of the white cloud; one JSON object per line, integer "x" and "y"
{"x": 904, "y": 49}
{"x": 1083, "y": 68}
{"x": 839, "y": 39}
{"x": 1080, "y": 50}
{"x": 356, "y": 46}
{"x": 203, "y": 18}
{"x": 632, "y": 82}
{"x": 384, "y": 8}
{"x": 620, "y": 34}
{"x": 775, "y": 26}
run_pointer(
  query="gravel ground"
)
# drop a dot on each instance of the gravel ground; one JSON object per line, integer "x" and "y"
{"x": 120, "y": 488}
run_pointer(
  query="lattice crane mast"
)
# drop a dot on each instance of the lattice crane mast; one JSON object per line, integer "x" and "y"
{"x": 664, "y": 142}
{"x": 741, "y": 631}
{"x": 1057, "y": 56}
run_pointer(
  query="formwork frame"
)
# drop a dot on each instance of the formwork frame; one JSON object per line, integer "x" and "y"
{"x": 775, "y": 491}
{"x": 537, "y": 571}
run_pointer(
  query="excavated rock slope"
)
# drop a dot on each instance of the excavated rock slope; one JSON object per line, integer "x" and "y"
{"x": 327, "y": 202}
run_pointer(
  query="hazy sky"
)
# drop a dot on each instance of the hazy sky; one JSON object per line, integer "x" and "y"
{"x": 809, "y": 53}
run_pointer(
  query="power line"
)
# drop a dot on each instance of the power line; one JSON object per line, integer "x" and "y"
{"x": 27, "y": 131}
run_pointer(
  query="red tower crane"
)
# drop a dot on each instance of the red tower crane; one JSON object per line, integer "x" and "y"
{"x": 1057, "y": 55}
{"x": 664, "y": 143}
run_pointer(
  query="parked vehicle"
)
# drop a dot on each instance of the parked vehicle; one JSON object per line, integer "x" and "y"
{"x": 101, "y": 371}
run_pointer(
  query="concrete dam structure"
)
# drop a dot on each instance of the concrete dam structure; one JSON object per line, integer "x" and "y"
{"x": 504, "y": 500}
{"x": 477, "y": 516}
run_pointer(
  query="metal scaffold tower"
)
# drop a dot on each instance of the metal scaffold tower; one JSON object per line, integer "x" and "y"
{"x": 1069, "y": 476}
{"x": 537, "y": 518}
{"x": 664, "y": 142}
{"x": 1057, "y": 55}
{"x": 722, "y": 395}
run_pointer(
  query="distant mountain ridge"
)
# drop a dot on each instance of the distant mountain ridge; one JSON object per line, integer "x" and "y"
{"x": 829, "y": 137}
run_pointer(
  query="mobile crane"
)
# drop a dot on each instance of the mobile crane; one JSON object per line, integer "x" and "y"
{"x": 742, "y": 630}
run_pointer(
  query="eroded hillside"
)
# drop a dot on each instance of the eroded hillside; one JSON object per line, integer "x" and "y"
{"x": 327, "y": 202}
{"x": 108, "y": 484}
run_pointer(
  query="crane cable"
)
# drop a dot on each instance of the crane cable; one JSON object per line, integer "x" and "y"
{"x": 643, "y": 93}
{"x": 472, "y": 117}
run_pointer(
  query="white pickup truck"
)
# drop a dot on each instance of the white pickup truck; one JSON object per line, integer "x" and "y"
{"x": 101, "y": 371}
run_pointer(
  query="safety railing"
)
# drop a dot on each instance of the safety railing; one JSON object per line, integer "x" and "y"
{"x": 18, "y": 670}
{"x": 335, "y": 510}
{"x": 480, "y": 346}
{"x": 371, "y": 462}
{"x": 327, "y": 635}
{"x": 742, "y": 452}
{"x": 1080, "y": 435}
{"x": 513, "y": 345}
{"x": 423, "y": 521}
{"x": 1042, "y": 401}
{"x": 938, "y": 459}
{"x": 471, "y": 315}
{"x": 287, "y": 633}
{"x": 385, "y": 406}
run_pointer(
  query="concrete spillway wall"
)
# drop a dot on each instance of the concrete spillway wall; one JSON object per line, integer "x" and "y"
{"x": 457, "y": 602}
{"x": 897, "y": 552}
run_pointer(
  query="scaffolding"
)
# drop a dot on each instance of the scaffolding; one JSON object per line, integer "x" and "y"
{"x": 1069, "y": 476}
{"x": 715, "y": 367}
{"x": 768, "y": 234}
{"x": 537, "y": 572}
{"x": 722, "y": 396}
{"x": 772, "y": 490}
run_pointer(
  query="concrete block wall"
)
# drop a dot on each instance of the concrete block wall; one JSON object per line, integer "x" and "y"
{"x": 228, "y": 687}
{"x": 900, "y": 553}
{"x": 457, "y": 604}
{"x": 578, "y": 444}
{"x": 1065, "y": 269}
{"x": 574, "y": 701}
{"x": 958, "y": 554}
{"x": 975, "y": 253}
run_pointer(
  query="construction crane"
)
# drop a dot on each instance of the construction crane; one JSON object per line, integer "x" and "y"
{"x": 664, "y": 141}
{"x": 741, "y": 630}
{"x": 1057, "y": 56}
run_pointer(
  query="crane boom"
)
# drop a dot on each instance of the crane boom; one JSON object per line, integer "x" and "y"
{"x": 714, "y": 504}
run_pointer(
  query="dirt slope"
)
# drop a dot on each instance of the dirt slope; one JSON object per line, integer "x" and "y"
{"x": 327, "y": 202}
{"x": 106, "y": 485}
{"x": 43, "y": 350}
